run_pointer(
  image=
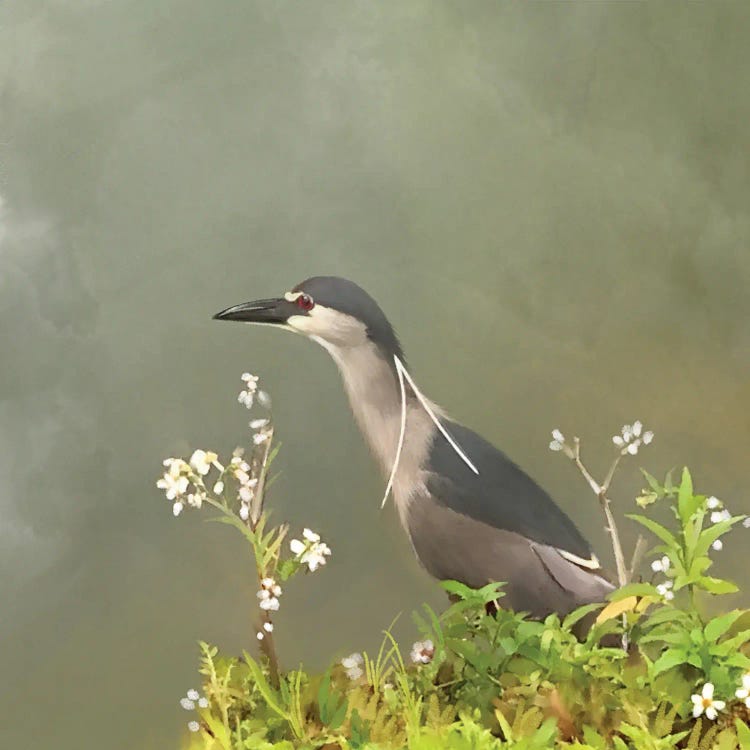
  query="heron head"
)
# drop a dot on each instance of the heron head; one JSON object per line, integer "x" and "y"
{"x": 334, "y": 312}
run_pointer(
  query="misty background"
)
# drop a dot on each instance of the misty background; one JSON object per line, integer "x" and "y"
{"x": 549, "y": 200}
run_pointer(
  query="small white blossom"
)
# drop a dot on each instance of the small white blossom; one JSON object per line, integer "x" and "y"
{"x": 705, "y": 703}
{"x": 193, "y": 694}
{"x": 174, "y": 482}
{"x": 422, "y": 652}
{"x": 256, "y": 424}
{"x": 244, "y": 512}
{"x": 193, "y": 726}
{"x": 268, "y": 627}
{"x": 665, "y": 590}
{"x": 269, "y": 594}
{"x": 247, "y": 397}
{"x": 712, "y": 503}
{"x": 261, "y": 437}
{"x": 743, "y": 693}
{"x": 312, "y": 552}
{"x": 218, "y": 488}
{"x": 718, "y": 545}
{"x": 187, "y": 703}
{"x": 201, "y": 461}
{"x": 195, "y": 500}
{"x": 353, "y": 665}
{"x": 264, "y": 399}
{"x": 720, "y": 515}
{"x": 558, "y": 439}
{"x": 631, "y": 438}
{"x": 246, "y": 494}
{"x": 259, "y": 635}
{"x": 177, "y": 509}
{"x": 203, "y": 702}
{"x": 660, "y": 566}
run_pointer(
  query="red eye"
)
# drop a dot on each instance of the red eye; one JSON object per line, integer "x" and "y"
{"x": 305, "y": 302}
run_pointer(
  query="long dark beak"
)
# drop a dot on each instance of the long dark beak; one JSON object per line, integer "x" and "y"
{"x": 269, "y": 311}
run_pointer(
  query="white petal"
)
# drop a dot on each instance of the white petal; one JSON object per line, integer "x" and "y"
{"x": 267, "y": 583}
{"x": 297, "y": 546}
{"x": 697, "y": 710}
{"x": 712, "y": 503}
{"x": 557, "y": 435}
{"x": 669, "y": 596}
{"x": 203, "y": 702}
{"x": 187, "y": 704}
{"x": 657, "y": 566}
{"x": 718, "y": 545}
{"x": 708, "y": 691}
{"x": 218, "y": 488}
{"x": 177, "y": 508}
{"x": 310, "y": 535}
{"x": 259, "y": 636}
{"x": 260, "y": 437}
{"x": 256, "y": 424}
{"x": 193, "y": 726}
{"x": 719, "y": 705}
{"x": 637, "y": 427}
{"x": 268, "y": 627}
{"x": 633, "y": 448}
{"x": 193, "y": 694}
{"x": 244, "y": 512}
{"x": 618, "y": 441}
{"x": 648, "y": 437}
{"x": 555, "y": 446}
{"x": 264, "y": 399}
{"x": 710, "y": 712}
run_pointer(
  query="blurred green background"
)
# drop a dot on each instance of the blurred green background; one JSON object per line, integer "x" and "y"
{"x": 550, "y": 200}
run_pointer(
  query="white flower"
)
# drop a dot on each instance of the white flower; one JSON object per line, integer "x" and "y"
{"x": 218, "y": 488}
{"x": 261, "y": 437}
{"x": 631, "y": 438}
{"x": 665, "y": 590}
{"x": 312, "y": 552}
{"x": 195, "y": 500}
{"x": 712, "y": 503}
{"x": 422, "y": 652}
{"x": 718, "y": 545}
{"x": 246, "y": 494}
{"x": 264, "y": 399}
{"x": 259, "y": 635}
{"x": 353, "y": 665}
{"x": 193, "y": 694}
{"x": 268, "y": 627}
{"x": 244, "y": 512}
{"x": 256, "y": 424}
{"x": 558, "y": 439}
{"x": 201, "y": 461}
{"x": 203, "y": 702}
{"x": 174, "y": 482}
{"x": 720, "y": 515}
{"x": 743, "y": 693}
{"x": 269, "y": 594}
{"x": 187, "y": 703}
{"x": 660, "y": 566}
{"x": 247, "y": 396}
{"x": 250, "y": 380}
{"x": 705, "y": 703}
{"x": 193, "y": 726}
{"x": 177, "y": 509}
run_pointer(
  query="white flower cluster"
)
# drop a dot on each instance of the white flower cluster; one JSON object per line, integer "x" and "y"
{"x": 268, "y": 627}
{"x": 665, "y": 588}
{"x": 189, "y": 703}
{"x": 247, "y": 395}
{"x": 353, "y": 665}
{"x": 558, "y": 440}
{"x": 179, "y": 476}
{"x": 240, "y": 470}
{"x": 631, "y": 438}
{"x": 718, "y": 514}
{"x": 312, "y": 552}
{"x": 422, "y": 652}
{"x": 269, "y": 594}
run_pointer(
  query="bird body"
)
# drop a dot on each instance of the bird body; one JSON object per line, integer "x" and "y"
{"x": 475, "y": 521}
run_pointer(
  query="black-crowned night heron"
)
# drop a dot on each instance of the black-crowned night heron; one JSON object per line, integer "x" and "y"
{"x": 471, "y": 514}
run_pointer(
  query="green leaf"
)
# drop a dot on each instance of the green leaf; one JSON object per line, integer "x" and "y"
{"x": 743, "y": 734}
{"x": 712, "y": 533}
{"x": 687, "y": 503}
{"x": 716, "y": 585}
{"x": 578, "y": 614}
{"x": 719, "y": 625}
{"x": 632, "y": 589}
{"x": 672, "y": 657}
{"x": 655, "y": 528}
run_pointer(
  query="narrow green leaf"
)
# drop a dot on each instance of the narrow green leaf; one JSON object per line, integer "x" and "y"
{"x": 655, "y": 528}
{"x": 672, "y": 657}
{"x": 632, "y": 589}
{"x": 685, "y": 502}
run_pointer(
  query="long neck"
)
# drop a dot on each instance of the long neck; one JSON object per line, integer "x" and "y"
{"x": 375, "y": 397}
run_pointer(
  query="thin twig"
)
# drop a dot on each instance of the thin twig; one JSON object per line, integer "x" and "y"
{"x": 638, "y": 552}
{"x": 601, "y": 492}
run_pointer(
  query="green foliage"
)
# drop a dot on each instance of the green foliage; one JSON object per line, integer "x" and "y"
{"x": 496, "y": 679}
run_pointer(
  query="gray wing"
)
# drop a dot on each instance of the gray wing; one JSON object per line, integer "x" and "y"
{"x": 539, "y": 579}
{"x": 501, "y": 495}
